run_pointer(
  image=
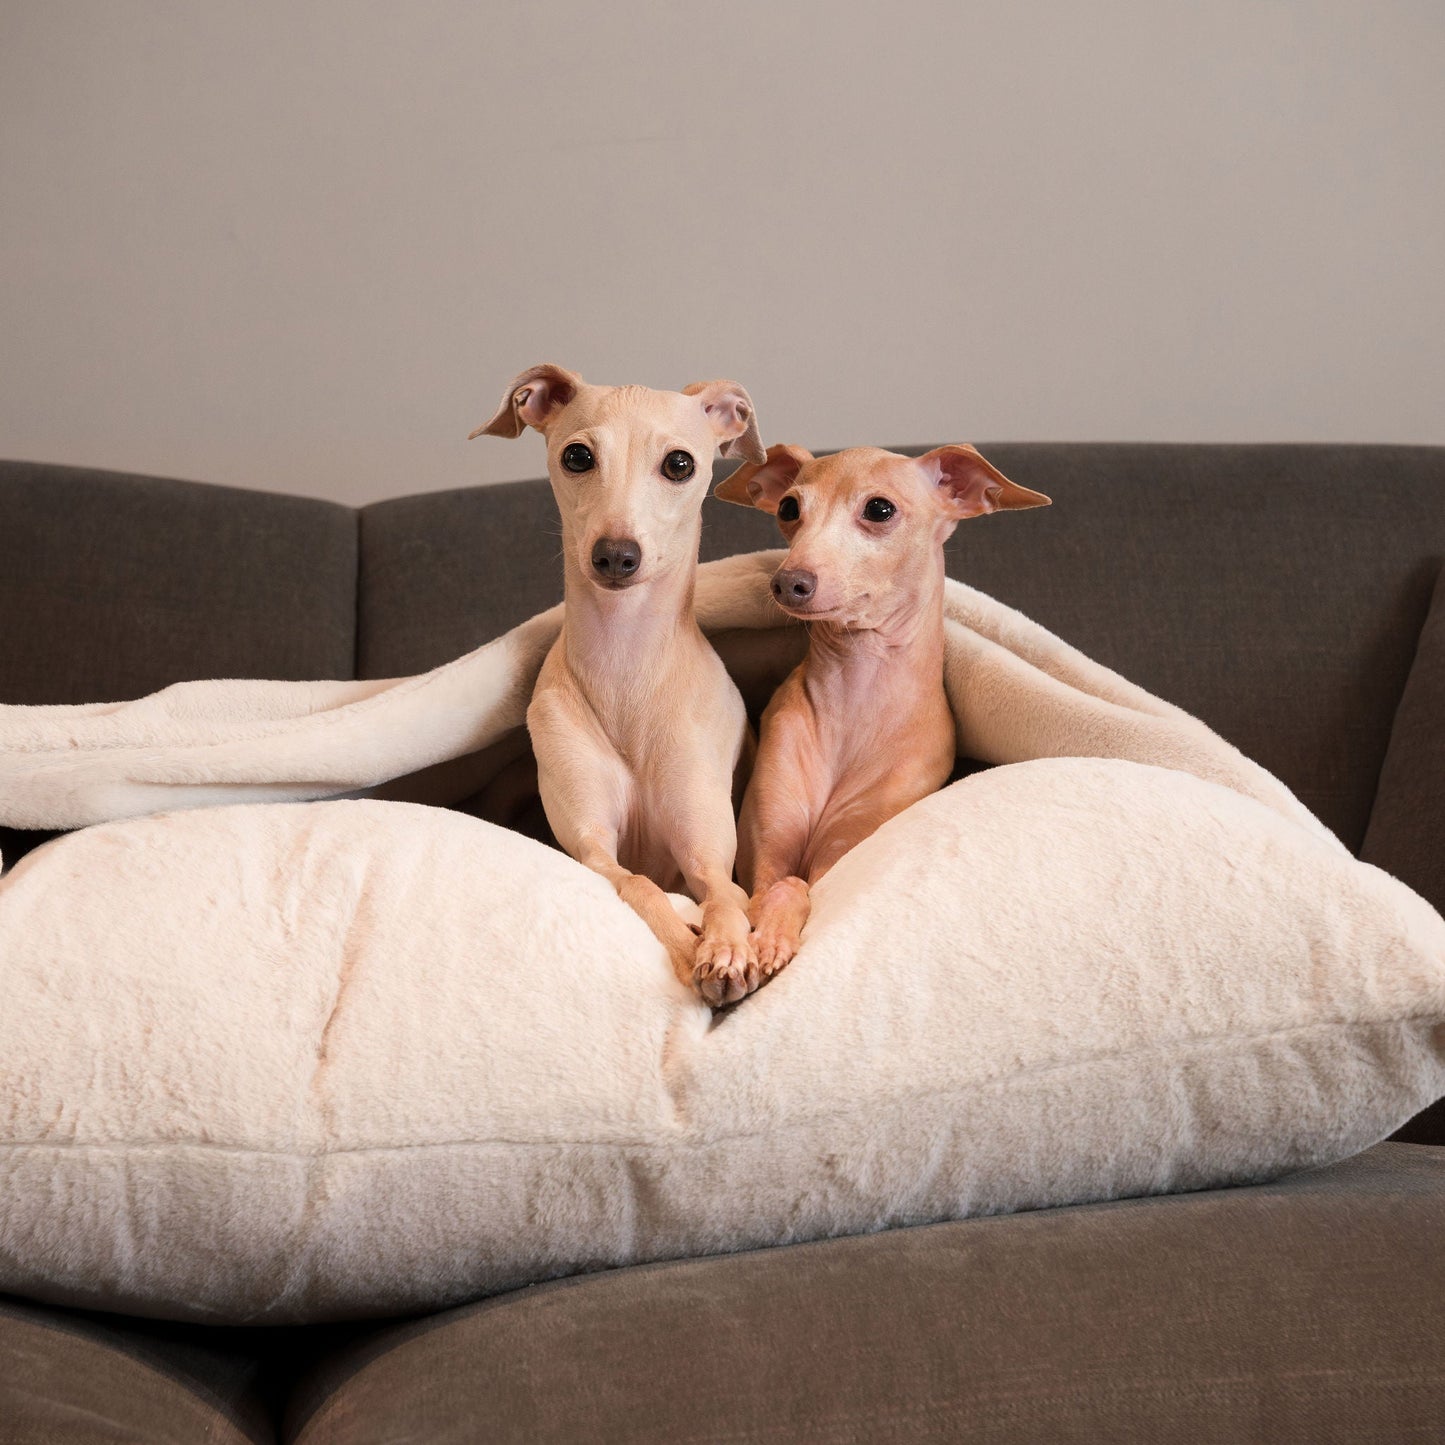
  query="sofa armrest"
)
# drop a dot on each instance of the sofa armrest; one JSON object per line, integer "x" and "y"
{"x": 1406, "y": 834}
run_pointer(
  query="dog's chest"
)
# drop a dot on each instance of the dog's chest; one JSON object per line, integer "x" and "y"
{"x": 646, "y": 841}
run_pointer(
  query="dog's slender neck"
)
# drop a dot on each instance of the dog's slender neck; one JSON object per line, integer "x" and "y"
{"x": 899, "y": 660}
{"x": 631, "y": 630}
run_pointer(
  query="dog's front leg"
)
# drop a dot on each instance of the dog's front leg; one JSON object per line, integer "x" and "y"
{"x": 773, "y": 836}
{"x": 597, "y": 849}
{"x": 785, "y": 795}
{"x": 584, "y": 789}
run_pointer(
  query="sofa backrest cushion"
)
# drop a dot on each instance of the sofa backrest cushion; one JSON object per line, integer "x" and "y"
{"x": 113, "y": 586}
{"x": 1278, "y": 592}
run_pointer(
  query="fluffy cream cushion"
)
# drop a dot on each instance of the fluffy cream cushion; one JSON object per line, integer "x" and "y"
{"x": 350, "y": 1058}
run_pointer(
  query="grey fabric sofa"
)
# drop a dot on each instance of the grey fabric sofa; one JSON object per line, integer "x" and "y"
{"x": 1291, "y": 596}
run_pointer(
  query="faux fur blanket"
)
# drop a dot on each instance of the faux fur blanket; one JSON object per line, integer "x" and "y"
{"x": 1017, "y": 693}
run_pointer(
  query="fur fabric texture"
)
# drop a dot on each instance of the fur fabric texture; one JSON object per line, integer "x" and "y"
{"x": 363, "y": 1058}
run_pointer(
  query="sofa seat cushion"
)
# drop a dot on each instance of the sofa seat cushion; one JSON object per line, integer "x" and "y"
{"x": 1309, "y": 1310}
{"x": 70, "y": 1379}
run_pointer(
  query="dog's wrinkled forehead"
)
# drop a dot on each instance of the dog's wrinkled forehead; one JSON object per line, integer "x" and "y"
{"x": 630, "y": 414}
{"x": 861, "y": 472}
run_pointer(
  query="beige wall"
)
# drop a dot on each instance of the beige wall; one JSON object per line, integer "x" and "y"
{"x": 304, "y": 245}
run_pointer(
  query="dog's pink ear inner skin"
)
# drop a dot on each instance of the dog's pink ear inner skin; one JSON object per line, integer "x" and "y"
{"x": 969, "y": 486}
{"x": 761, "y": 484}
{"x": 734, "y": 419}
{"x": 533, "y": 399}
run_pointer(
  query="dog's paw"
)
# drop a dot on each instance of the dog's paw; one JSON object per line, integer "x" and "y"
{"x": 775, "y": 949}
{"x": 723, "y": 970}
{"x": 778, "y": 918}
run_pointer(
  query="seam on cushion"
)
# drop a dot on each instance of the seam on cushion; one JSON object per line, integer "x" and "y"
{"x": 361, "y": 901}
{"x": 1197, "y": 1044}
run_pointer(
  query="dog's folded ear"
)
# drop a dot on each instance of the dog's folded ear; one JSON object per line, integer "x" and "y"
{"x": 968, "y": 486}
{"x": 729, "y": 409}
{"x": 533, "y": 399}
{"x": 762, "y": 484}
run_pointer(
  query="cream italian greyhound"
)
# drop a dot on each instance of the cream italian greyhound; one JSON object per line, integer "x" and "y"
{"x": 862, "y": 727}
{"x": 638, "y": 730}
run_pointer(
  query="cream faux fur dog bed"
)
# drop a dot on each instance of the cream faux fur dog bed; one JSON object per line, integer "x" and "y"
{"x": 354, "y": 1058}
{"x": 360, "y": 1057}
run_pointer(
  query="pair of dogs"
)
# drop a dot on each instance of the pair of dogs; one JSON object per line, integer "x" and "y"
{"x": 641, "y": 738}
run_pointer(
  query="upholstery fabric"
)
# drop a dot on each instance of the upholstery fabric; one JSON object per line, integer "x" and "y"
{"x": 361, "y": 1058}
{"x": 68, "y": 1379}
{"x": 1302, "y": 1312}
{"x": 114, "y": 586}
{"x": 1407, "y": 826}
{"x": 445, "y": 572}
{"x": 1275, "y": 592}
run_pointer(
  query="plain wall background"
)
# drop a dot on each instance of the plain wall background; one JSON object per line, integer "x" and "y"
{"x": 304, "y": 245}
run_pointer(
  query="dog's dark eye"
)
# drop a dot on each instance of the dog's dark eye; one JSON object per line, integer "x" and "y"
{"x": 678, "y": 466}
{"x": 788, "y": 509}
{"x": 577, "y": 458}
{"x": 879, "y": 509}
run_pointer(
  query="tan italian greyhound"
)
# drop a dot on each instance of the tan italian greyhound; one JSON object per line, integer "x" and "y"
{"x": 638, "y": 730}
{"x": 862, "y": 727}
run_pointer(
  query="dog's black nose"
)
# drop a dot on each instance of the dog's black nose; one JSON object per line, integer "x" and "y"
{"x": 793, "y": 585}
{"x": 615, "y": 559}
